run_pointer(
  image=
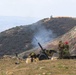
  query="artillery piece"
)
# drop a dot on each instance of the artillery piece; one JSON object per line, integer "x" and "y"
{"x": 44, "y": 54}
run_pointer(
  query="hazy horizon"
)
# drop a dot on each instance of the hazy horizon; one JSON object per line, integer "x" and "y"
{"x": 37, "y": 9}
{"x": 7, "y": 22}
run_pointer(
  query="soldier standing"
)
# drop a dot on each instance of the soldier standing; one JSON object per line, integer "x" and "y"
{"x": 61, "y": 48}
{"x": 17, "y": 61}
{"x": 66, "y": 50}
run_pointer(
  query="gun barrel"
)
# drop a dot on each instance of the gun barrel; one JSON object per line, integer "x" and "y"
{"x": 40, "y": 46}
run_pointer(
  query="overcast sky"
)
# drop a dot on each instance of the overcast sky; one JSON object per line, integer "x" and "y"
{"x": 38, "y": 8}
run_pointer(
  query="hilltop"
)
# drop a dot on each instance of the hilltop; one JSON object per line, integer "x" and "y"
{"x": 7, "y": 22}
{"x": 20, "y": 38}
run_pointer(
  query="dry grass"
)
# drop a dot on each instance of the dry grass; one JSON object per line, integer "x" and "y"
{"x": 45, "y": 67}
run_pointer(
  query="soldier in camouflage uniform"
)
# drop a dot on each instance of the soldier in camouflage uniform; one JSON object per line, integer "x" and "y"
{"x": 66, "y": 53}
{"x": 61, "y": 48}
{"x": 32, "y": 55}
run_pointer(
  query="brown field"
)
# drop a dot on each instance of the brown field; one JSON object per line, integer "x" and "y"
{"x": 45, "y": 67}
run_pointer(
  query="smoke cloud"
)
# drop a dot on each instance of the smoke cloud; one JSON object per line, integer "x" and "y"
{"x": 42, "y": 35}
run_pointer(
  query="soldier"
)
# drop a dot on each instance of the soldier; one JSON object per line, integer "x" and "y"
{"x": 61, "y": 48}
{"x": 32, "y": 55}
{"x": 66, "y": 53}
{"x": 17, "y": 59}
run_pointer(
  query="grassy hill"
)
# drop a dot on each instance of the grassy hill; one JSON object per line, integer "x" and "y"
{"x": 20, "y": 38}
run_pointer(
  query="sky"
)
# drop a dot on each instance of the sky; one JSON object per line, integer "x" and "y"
{"x": 38, "y": 8}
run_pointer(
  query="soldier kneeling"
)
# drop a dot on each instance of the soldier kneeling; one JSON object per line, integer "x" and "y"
{"x": 33, "y": 56}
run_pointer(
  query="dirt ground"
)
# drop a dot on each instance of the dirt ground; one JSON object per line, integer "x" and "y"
{"x": 45, "y": 67}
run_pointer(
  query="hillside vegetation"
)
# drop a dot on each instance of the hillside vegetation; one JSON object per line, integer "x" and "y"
{"x": 19, "y": 39}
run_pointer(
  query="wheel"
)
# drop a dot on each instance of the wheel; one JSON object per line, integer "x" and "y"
{"x": 43, "y": 57}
